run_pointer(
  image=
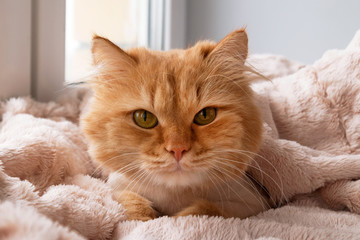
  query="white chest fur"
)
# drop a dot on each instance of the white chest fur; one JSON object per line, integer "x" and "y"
{"x": 237, "y": 199}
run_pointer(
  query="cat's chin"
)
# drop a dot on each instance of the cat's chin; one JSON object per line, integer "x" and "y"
{"x": 180, "y": 178}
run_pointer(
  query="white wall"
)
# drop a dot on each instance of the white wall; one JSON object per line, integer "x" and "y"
{"x": 301, "y": 30}
{"x": 15, "y": 48}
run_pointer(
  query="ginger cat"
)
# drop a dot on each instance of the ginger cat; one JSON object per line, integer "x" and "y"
{"x": 179, "y": 128}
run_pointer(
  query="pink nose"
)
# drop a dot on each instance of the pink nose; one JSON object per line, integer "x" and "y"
{"x": 178, "y": 151}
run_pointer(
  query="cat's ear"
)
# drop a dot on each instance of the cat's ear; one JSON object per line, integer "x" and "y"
{"x": 109, "y": 56}
{"x": 232, "y": 49}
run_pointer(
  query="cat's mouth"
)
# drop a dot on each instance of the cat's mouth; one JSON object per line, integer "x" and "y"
{"x": 173, "y": 169}
{"x": 189, "y": 171}
{"x": 178, "y": 167}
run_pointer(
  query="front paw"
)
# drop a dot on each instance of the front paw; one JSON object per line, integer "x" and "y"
{"x": 201, "y": 207}
{"x": 137, "y": 207}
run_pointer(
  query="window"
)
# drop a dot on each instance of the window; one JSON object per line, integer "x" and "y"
{"x": 33, "y": 47}
{"x": 124, "y": 22}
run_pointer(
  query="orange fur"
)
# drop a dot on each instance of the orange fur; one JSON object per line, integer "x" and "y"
{"x": 173, "y": 85}
{"x": 137, "y": 207}
{"x": 201, "y": 207}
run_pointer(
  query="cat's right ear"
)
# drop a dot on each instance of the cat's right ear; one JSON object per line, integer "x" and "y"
{"x": 230, "y": 52}
{"x": 110, "y": 57}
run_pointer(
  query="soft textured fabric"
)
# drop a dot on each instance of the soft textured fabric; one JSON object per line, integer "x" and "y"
{"x": 50, "y": 188}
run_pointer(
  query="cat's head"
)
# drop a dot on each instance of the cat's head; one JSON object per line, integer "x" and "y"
{"x": 176, "y": 118}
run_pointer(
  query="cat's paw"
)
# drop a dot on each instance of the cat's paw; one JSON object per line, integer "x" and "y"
{"x": 201, "y": 207}
{"x": 137, "y": 207}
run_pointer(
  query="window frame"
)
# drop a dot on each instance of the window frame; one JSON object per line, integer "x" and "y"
{"x": 48, "y": 49}
{"x": 41, "y": 30}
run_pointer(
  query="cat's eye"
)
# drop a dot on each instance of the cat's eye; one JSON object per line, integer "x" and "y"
{"x": 205, "y": 116}
{"x": 145, "y": 119}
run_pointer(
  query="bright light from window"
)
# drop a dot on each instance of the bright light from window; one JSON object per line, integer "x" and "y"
{"x": 125, "y": 22}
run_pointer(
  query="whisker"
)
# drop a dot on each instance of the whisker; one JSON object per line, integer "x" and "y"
{"x": 135, "y": 176}
{"x": 141, "y": 179}
{"x": 257, "y": 168}
{"x": 243, "y": 174}
{"x": 148, "y": 182}
{"x": 145, "y": 174}
{"x": 229, "y": 187}
{"x": 243, "y": 152}
{"x": 281, "y": 186}
{"x": 221, "y": 199}
{"x": 102, "y": 164}
{"x": 227, "y": 173}
{"x": 128, "y": 168}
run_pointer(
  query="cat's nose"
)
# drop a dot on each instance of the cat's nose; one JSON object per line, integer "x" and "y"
{"x": 178, "y": 151}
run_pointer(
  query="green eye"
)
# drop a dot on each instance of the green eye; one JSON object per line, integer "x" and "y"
{"x": 145, "y": 119}
{"x": 205, "y": 116}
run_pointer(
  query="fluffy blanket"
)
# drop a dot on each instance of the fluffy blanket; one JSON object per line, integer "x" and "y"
{"x": 50, "y": 188}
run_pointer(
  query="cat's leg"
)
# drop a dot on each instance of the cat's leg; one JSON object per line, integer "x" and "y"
{"x": 287, "y": 168}
{"x": 137, "y": 207}
{"x": 201, "y": 207}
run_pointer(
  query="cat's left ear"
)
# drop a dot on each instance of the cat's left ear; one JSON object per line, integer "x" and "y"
{"x": 110, "y": 57}
{"x": 233, "y": 49}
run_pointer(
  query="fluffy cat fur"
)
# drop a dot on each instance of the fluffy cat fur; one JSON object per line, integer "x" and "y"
{"x": 175, "y": 85}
